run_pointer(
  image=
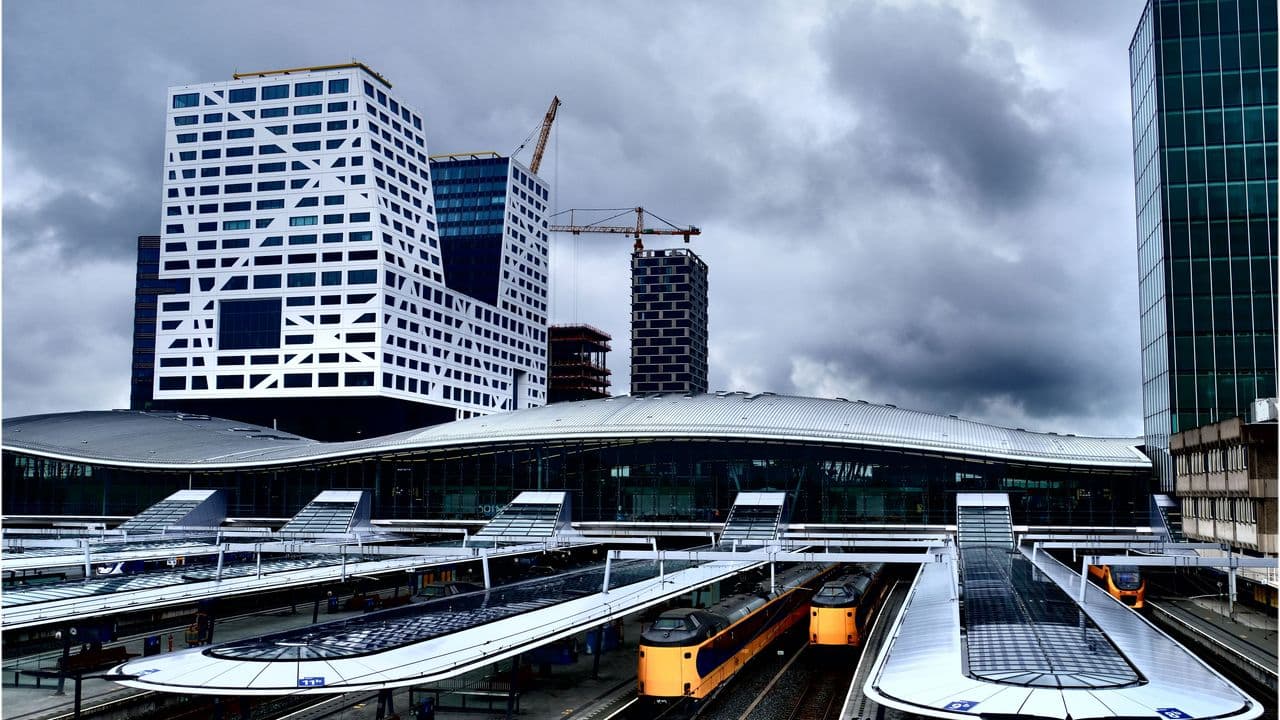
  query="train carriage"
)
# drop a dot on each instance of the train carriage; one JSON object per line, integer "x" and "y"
{"x": 841, "y": 612}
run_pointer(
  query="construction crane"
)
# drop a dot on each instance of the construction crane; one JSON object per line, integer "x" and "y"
{"x": 636, "y": 231}
{"x": 545, "y": 132}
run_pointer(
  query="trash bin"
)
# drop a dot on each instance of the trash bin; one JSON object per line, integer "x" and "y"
{"x": 151, "y": 645}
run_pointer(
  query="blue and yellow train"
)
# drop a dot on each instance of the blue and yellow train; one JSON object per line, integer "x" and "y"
{"x": 687, "y": 653}
{"x": 841, "y": 612}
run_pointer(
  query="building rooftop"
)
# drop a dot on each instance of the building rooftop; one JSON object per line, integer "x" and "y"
{"x": 173, "y": 441}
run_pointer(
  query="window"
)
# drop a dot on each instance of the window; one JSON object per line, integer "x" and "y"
{"x": 298, "y": 340}
{"x": 357, "y": 179}
{"x": 300, "y": 220}
{"x": 360, "y": 217}
{"x": 271, "y": 185}
{"x": 239, "y": 169}
{"x": 333, "y": 219}
{"x": 336, "y": 106}
{"x": 306, "y": 128}
{"x": 308, "y": 88}
{"x": 238, "y": 188}
{"x": 235, "y": 243}
{"x": 272, "y": 149}
{"x": 231, "y": 382}
{"x": 210, "y": 172}
{"x": 303, "y": 279}
{"x": 275, "y": 92}
{"x": 242, "y": 206}
{"x": 239, "y": 95}
{"x": 270, "y": 168}
{"x": 333, "y": 237}
{"x": 273, "y": 241}
{"x": 207, "y": 245}
{"x": 186, "y": 100}
{"x": 186, "y": 137}
{"x": 360, "y": 236}
{"x": 187, "y": 155}
{"x": 173, "y": 383}
{"x": 302, "y": 239}
{"x": 338, "y": 86}
{"x": 211, "y": 154}
{"x": 274, "y": 112}
{"x": 208, "y": 227}
{"x": 300, "y": 301}
{"x": 334, "y": 199}
{"x": 266, "y": 281}
{"x": 362, "y": 277}
{"x": 239, "y": 133}
{"x": 249, "y": 324}
{"x": 312, "y": 201}
{"x": 359, "y": 379}
{"x": 235, "y": 225}
{"x": 336, "y": 125}
{"x": 270, "y": 204}
{"x": 186, "y": 120}
{"x": 308, "y": 146}
{"x": 278, "y": 129}
{"x": 239, "y": 151}
{"x": 331, "y": 277}
{"x": 306, "y": 109}
{"x": 211, "y": 136}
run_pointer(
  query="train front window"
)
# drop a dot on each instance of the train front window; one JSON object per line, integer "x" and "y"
{"x": 668, "y": 624}
{"x": 831, "y": 591}
{"x": 1126, "y": 577}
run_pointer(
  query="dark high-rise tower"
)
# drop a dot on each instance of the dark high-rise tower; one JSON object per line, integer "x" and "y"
{"x": 668, "y": 322}
{"x": 1203, "y": 75}
{"x": 148, "y": 289}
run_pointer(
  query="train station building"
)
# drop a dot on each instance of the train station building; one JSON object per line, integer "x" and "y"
{"x": 641, "y": 459}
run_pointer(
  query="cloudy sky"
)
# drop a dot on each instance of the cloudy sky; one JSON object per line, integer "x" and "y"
{"x": 928, "y": 204}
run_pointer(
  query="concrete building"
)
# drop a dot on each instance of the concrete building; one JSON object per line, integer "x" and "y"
{"x": 578, "y": 363}
{"x": 323, "y": 286}
{"x": 1203, "y": 76}
{"x": 668, "y": 322}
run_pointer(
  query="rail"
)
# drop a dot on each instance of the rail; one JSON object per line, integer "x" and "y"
{"x": 1182, "y": 623}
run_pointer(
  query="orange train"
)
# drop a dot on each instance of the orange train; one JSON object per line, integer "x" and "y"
{"x": 842, "y": 611}
{"x": 687, "y": 653}
{"x": 1124, "y": 582}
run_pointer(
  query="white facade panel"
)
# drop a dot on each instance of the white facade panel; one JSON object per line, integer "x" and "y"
{"x": 299, "y": 216}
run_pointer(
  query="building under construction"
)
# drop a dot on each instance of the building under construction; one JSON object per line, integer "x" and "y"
{"x": 577, "y": 368}
{"x": 668, "y": 322}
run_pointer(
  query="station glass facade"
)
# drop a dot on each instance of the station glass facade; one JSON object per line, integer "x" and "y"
{"x": 632, "y": 479}
{"x": 1203, "y": 75}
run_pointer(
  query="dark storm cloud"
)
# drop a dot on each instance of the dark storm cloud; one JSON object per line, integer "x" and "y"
{"x": 915, "y": 203}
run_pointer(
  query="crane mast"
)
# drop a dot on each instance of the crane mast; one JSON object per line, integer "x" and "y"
{"x": 546, "y": 132}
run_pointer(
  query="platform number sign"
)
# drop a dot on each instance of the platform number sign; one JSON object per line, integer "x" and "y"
{"x": 1173, "y": 714}
{"x": 960, "y": 705}
{"x": 311, "y": 682}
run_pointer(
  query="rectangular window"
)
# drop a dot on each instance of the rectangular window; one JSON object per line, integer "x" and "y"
{"x": 304, "y": 279}
{"x": 301, "y": 301}
{"x": 266, "y": 281}
{"x": 186, "y": 120}
{"x": 208, "y": 227}
{"x": 362, "y": 277}
{"x": 338, "y": 86}
{"x": 331, "y": 277}
{"x": 274, "y": 112}
{"x": 334, "y": 199}
{"x": 270, "y": 185}
{"x": 239, "y": 95}
{"x": 208, "y": 190}
{"x": 239, "y": 133}
{"x": 186, "y": 100}
{"x": 357, "y": 179}
{"x": 239, "y": 169}
{"x": 306, "y": 128}
{"x": 360, "y": 236}
{"x": 312, "y": 201}
{"x": 299, "y": 220}
{"x": 235, "y": 225}
{"x": 336, "y": 106}
{"x": 231, "y": 382}
{"x": 210, "y": 154}
{"x": 360, "y": 217}
{"x": 271, "y": 149}
{"x": 336, "y": 125}
{"x": 173, "y": 229}
{"x": 302, "y": 239}
{"x": 333, "y": 219}
{"x": 210, "y": 172}
{"x": 298, "y": 183}
{"x": 270, "y": 204}
{"x": 333, "y": 237}
{"x": 359, "y": 379}
{"x": 360, "y": 337}
{"x": 211, "y": 136}
{"x": 306, "y": 109}
{"x": 298, "y": 340}
{"x": 275, "y": 92}
{"x": 308, "y": 88}
{"x": 238, "y": 188}
{"x": 235, "y": 243}
{"x": 242, "y": 206}
{"x": 187, "y": 155}
{"x": 270, "y": 167}
{"x": 297, "y": 380}
{"x": 249, "y": 324}
{"x": 186, "y": 137}
{"x": 239, "y": 151}
{"x": 308, "y": 146}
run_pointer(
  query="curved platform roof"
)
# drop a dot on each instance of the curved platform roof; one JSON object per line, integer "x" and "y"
{"x": 175, "y": 441}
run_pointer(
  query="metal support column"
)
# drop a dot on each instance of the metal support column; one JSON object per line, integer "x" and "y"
{"x": 511, "y": 687}
{"x": 484, "y": 564}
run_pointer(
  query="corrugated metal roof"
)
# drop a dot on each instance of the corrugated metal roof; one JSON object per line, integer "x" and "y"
{"x": 150, "y": 440}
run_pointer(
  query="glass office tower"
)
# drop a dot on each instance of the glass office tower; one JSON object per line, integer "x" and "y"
{"x": 1203, "y": 75}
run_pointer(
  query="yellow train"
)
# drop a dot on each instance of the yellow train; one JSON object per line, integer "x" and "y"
{"x": 1124, "y": 582}
{"x": 841, "y": 612}
{"x": 689, "y": 652}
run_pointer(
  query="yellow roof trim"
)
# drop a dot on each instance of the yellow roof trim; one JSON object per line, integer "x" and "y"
{"x": 317, "y": 68}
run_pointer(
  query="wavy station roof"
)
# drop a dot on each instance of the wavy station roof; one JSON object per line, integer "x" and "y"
{"x": 175, "y": 441}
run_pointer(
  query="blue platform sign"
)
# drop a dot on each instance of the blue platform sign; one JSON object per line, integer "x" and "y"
{"x": 311, "y": 682}
{"x": 1173, "y": 714}
{"x": 960, "y": 705}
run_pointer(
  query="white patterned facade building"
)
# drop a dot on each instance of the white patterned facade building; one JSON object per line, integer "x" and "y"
{"x": 311, "y": 258}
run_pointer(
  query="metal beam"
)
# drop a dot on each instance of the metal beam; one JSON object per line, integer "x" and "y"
{"x": 1157, "y": 547}
{"x": 763, "y": 555}
{"x": 1235, "y": 561}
